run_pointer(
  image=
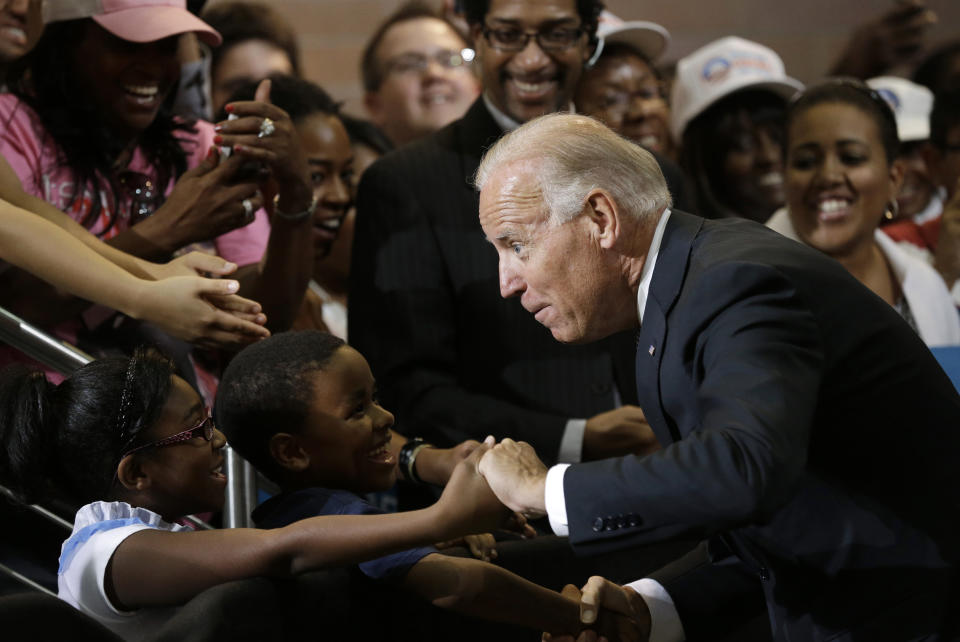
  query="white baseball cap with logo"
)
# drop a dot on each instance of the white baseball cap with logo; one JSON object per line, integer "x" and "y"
{"x": 721, "y": 68}
{"x": 911, "y": 104}
{"x": 649, "y": 39}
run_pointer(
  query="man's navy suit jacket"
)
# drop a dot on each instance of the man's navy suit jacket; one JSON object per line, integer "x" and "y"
{"x": 804, "y": 424}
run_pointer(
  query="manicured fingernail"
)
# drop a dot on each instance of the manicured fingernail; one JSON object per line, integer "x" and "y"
{"x": 228, "y": 108}
{"x": 210, "y": 153}
{"x": 233, "y": 286}
{"x": 218, "y": 128}
{"x": 587, "y": 616}
{"x": 218, "y": 139}
{"x": 239, "y": 148}
{"x": 261, "y": 318}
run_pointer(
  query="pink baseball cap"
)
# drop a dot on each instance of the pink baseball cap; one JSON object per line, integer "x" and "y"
{"x": 134, "y": 20}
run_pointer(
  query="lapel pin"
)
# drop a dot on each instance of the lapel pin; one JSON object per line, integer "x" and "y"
{"x": 651, "y": 350}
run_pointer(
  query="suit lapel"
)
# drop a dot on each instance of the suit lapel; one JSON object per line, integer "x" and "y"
{"x": 668, "y": 275}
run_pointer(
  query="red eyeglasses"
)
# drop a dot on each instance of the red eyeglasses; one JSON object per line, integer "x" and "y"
{"x": 203, "y": 429}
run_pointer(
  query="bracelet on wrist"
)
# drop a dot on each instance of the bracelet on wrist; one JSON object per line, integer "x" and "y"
{"x": 407, "y": 459}
{"x": 295, "y": 217}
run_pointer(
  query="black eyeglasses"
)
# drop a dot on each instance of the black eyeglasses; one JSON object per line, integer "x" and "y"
{"x": 417, "y": 63}
{"x": 203, "y": 429}
{"x": 513, "y": 39}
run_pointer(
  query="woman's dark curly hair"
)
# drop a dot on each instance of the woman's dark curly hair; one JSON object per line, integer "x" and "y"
{"x": 45, "y": 79}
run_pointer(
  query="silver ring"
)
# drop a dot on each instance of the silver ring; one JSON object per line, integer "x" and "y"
{"x": 247, "y": 209}
{"x": 266, "y": 128}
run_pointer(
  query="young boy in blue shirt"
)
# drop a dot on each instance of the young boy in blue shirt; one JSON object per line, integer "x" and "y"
{"x": 302, "y": 408}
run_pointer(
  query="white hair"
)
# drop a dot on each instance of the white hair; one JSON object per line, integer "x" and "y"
{"x": 576, "y": 154}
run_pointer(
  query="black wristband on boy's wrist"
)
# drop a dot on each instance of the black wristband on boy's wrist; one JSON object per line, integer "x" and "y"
{"x": 407, "y": 459}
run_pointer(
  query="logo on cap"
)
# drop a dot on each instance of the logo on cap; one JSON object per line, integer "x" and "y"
{"x": 718, "y": 68}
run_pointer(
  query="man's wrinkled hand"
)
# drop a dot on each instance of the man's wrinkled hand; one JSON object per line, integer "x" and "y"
{"x": 517, "y": 476}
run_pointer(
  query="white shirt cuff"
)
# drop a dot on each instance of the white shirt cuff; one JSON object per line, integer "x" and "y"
{"x": 665, "y": 625}
{"x": 571, "y": 444}
{"x": 554, "y": 501}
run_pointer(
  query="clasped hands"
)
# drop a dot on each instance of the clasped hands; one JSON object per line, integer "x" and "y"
{"x": 607, "y": 611}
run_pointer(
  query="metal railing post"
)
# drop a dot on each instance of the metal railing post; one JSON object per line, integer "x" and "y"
{"x": 37, "y": 344}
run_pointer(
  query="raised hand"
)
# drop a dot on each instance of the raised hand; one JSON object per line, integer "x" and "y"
{"x": 894, "y": 37}
{"x": 206, "y": 312}
{"x": 206, "y": 202}
{"x": 617, "y": 432}
{"x": 263, "y": 132}
{"x": 192, "y": 264}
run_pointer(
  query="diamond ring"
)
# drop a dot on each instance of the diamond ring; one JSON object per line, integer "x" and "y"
{"x": 266, "y": 128}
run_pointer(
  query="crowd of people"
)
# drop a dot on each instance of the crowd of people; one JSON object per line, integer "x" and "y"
{"x": 738, "y": 405}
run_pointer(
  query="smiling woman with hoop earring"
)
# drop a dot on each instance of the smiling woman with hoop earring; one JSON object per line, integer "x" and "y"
{"x": 842, "y": 178}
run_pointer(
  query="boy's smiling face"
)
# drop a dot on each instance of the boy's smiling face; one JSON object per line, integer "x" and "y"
{"x": 346, "y": 434}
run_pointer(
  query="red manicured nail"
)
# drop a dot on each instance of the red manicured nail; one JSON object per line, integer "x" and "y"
{"x": 239, "y": 148}
{"x": 218, "y": 139}
{"x": 228, "y": 108}
{"x": 210, "y": 153}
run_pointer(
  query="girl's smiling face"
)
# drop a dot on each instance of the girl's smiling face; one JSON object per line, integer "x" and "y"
{"x": 346, "y": 434}
{"x": 185, "y": 477}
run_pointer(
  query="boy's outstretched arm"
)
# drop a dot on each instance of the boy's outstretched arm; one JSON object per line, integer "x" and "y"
{"x": 489, "y": 592}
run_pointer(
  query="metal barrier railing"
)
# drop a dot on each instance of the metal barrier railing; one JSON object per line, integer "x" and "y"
{"x": 37, "y": 344}
{"x": 241, "y": 496}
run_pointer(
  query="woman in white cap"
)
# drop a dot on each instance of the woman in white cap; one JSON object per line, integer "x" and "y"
{"x": 622, "y": 88}
{"x": 88, "y": 129}
{"x": 728, "y": 105}
{"x": 843, "y": 176}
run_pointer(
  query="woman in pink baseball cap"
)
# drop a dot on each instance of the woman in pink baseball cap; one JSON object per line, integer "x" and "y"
{"x": 89, "y": 128}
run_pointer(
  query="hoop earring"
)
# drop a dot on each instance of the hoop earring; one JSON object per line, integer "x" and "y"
{"x": 893, "y": 210}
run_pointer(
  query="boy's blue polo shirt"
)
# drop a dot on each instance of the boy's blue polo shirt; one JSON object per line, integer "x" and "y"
{"x": 286, "y": 508}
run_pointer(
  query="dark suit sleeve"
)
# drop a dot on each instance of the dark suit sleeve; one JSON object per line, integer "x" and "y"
{"x": 742, "y": 334}
{"x": 404, "y": 319}
{"x": 714, "y": 593}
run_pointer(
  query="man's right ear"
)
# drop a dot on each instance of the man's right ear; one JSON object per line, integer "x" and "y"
{"x": 286, "y": 451}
